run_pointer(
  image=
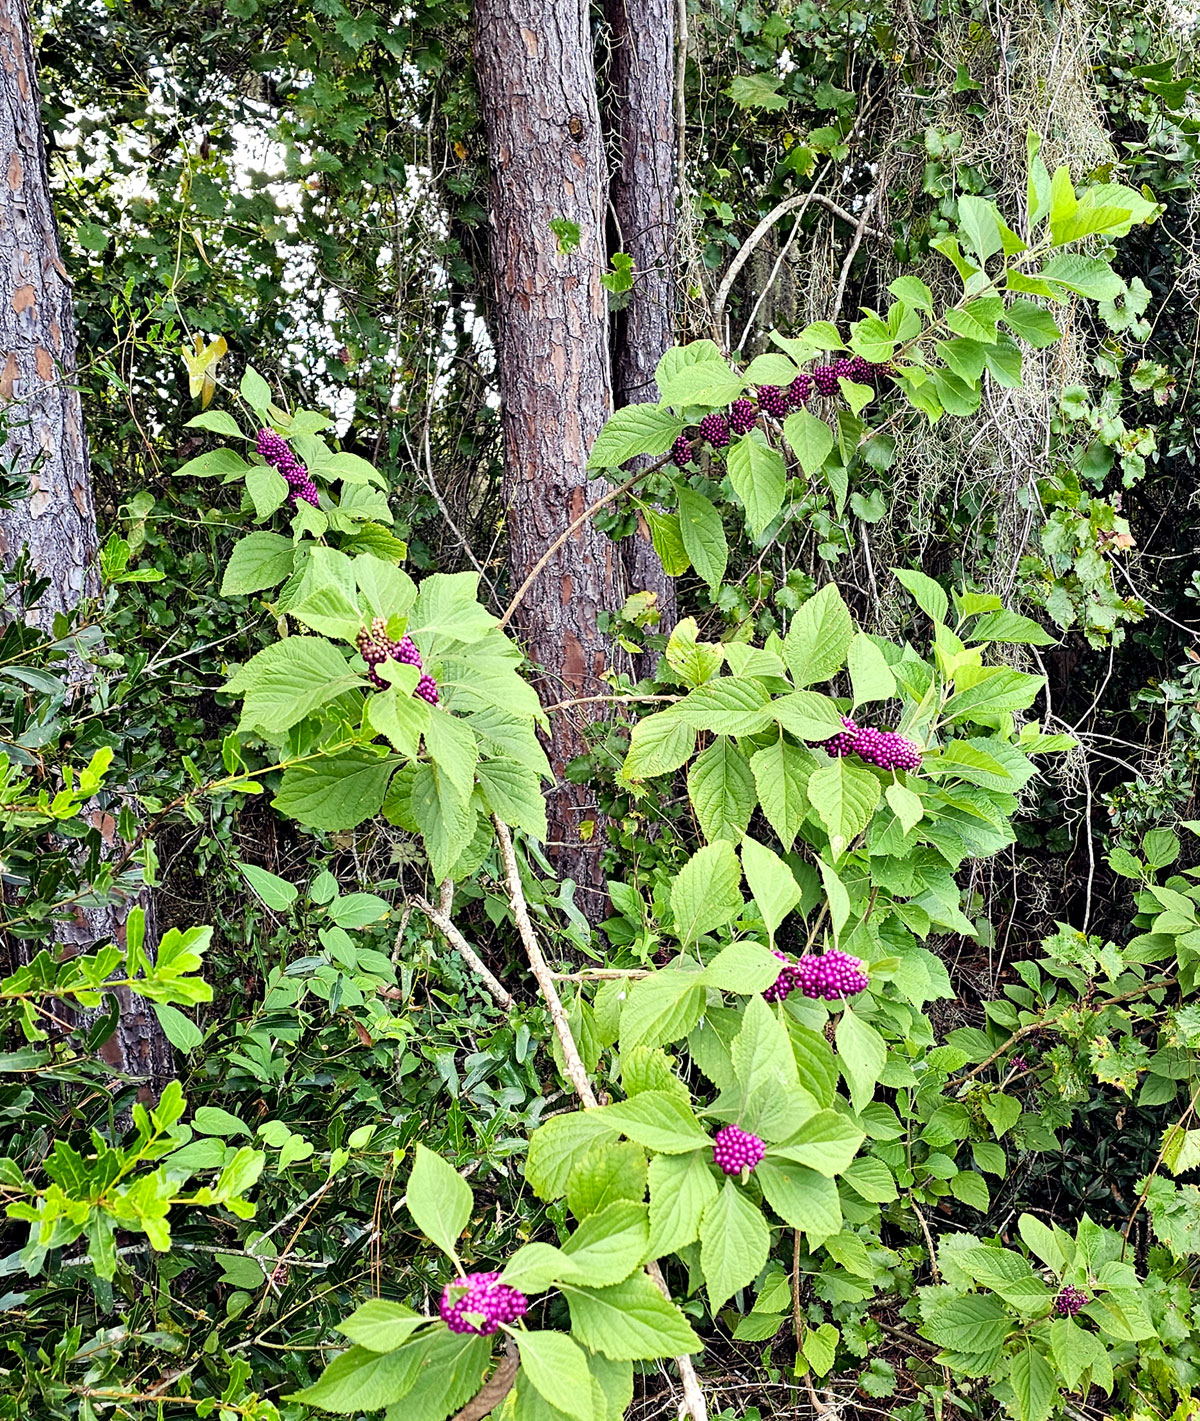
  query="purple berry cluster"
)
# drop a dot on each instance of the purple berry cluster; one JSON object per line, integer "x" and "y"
{"x": 277, "y": 452}
{"x": 481, "y": 1295}
{"x": 877, "y": 747}
{"x": 828, "y": 977}
{"x": 715, "y": 429}
{"x": 743, "y": 415}
{"x": 376, "y": 646}
{"x": 736, "y": 1150}
{"x": 1070, "y": 1301}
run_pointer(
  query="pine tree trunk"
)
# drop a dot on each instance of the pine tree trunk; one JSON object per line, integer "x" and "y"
{"x": 640, "y": 121}
{"x": 537, "y": 89}
{"x": 41, "y": 422}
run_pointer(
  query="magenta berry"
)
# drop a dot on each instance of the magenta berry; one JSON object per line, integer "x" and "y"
{"x": 830, "y": 976}
{"x": 843, "y": 744}
{"x": 799, "y": 391}
{"x": 860, "y": 370}
{"x": 825, "y": 380}
{"x": 483, "y": 1296}
{"x": 886, "y": 749}
{"x": 681, "y": 452}
{"x": 842, "y": 368}
{"x": 376, "y": 646}
{"x": 275, "y": 451}
{"x": 736, "y": 1150}
{"x": 773, "y": 401}
{"x": 1070, "y": 1301}
{"x": 785, "y": 983}
{"x": 715, "y": 428}
{"x": 743, "y": 414}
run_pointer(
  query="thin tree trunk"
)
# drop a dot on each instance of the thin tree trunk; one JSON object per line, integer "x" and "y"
{"x": 41, "y": 423}
{"x": 537, "y": 90}
{"x": 640, "y": 119}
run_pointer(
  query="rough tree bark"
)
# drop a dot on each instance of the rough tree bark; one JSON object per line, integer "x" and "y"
{"x": 41, "y": 424}
{"x": 639, "y": 117}
{"x": 537, "y": 91}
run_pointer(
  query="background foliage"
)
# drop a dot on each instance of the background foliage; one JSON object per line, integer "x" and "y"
{"x": 1008, "y": 1111}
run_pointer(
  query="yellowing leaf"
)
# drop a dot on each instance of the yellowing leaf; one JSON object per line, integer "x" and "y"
{"x": 201, "y": 364}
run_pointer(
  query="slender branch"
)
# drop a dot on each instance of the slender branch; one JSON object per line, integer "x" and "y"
{"x": 576, "y": 1072}
{"x": 693, "y": 1396}
{"x": 441, "y": 919}
{"x": 610, "y": 700}
{"x": 861, "y": 227}
{"x": 569, "y": 532}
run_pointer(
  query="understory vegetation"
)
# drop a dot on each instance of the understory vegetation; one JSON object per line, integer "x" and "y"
{"x": 868, "y": 1082}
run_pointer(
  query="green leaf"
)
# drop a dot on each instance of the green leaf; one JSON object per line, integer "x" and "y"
{"x": 606, "y": 1174}
{"x": 610, "y": 1244}
{"x": 1033, "y": 1384}
{"x": 667, "y": 538}
{"x": 386, "y": 590}
{"x": 558, "y": 1144}
{"x": 1086, "y": 276}
{"x": 275, "y": 892}
{"x": 662, "y": 1008}
{"x": 706, "y": 892}
{"x": 757, "y": 91}
{"x": 446, "y": 821}
{"x": 989, "y": 691}
{"x": 743, "y": 967}
{"x": 633, "y": 430}
{"x": 808, "y": 715}
{"x": 338, "y": 792}
{"x": 810, "y": 439}
{"x": 862, "y": 1056}
{"x": 681, "y": 1188}
{"x": 771, "y": 882}
{"x": 267, "y": 489}
{"x": 771, "y": 369}
{"x": 977, "y": 1323}
{"x": 971, "y": 1189}
{"x": 453, "y": 749}
{"x": 929, "y": 596}
{"x": 871, "y": 1180}
{"x": 781, "y": 773}
{"x": 908, "y": 807}
{"x": 678, "y": 357}
{"x": 759, "y": 479}
{"x": 512, "y": 791}
{"x": 1043, "y": 1242}
{"x": 180, "y": 1030}
{"x": 213, "y": 462}
{"x": 438, "y": 1198}
{"x": 363, "y": 1380}
{"x": 721, "y": 789}
{"x": 801, "y": 1197}
{"x": 446, "y": 610}
{"x": 659, "y": 1120}
{"x": 629, "y": 1322}
{"x": 1033, "y": 323}
{"x": 657, "y": 745}
{"x": 844, "y": 795}
{"x": 704, "y": 384}
{"x": 819, "y": 637}
{"x": 734, "y": 1243}
{"x": 451, "y": 1372}
{"x": 255, "y": 391}
{"x": 219, "y": 421}
{"x": 703, "y": 536}
{"x": 826, "y": 1142}
{"x": 538, "y": 1266}
{"x": 381, "y": 1326}
{"x": 730, "y": 705}
{"x": 1012, "y": 629}
{"x": 359, "y": 910}
{"x": 558, "y": 1368}
{"x": 212, "y": 1120}
{"x": 290, "y": 680}
{"x": 870, "y": 676}
{"x": 980, "y": 222}
{"x": 400, "y": 716}
{"x": 259, "y": 560}
{"x": 913, "y": 292}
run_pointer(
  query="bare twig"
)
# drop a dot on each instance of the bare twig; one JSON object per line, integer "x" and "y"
{"x": 440, "y": 918}
{"x": 610, "y": 700}
{"x": 693, "y": 1397}
{"x": 861, "y": 227}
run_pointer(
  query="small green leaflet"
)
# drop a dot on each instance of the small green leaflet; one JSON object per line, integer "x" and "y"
{"x": 757, "y": 474}
{"x": 734, "y": 1243}
{"x": 706, "y": 892}
{"x": 771, "y": 882}
{"x": 862, "y": 1056}
{"x": 438, "y": 1198}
